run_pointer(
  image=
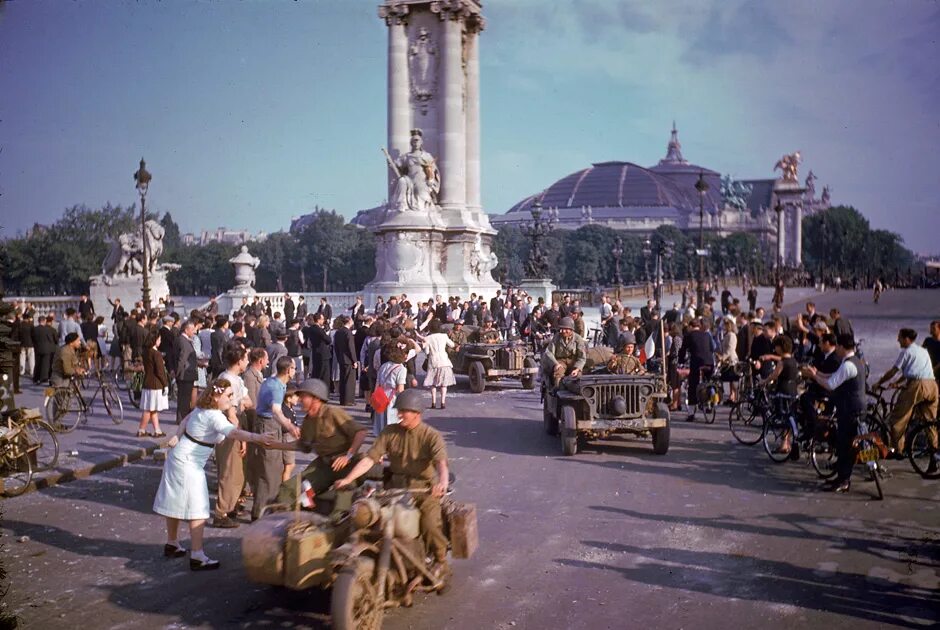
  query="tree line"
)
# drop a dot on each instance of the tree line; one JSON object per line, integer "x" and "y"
{"x": 330, "y": 254}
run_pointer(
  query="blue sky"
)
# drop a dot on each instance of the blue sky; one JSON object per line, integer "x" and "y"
{"x": 249, "y": 113}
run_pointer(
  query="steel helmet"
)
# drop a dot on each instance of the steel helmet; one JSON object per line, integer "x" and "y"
{"x": 566, "y": 322}
{"x": 410, "y": 400}
{"x": 316, "y": 388}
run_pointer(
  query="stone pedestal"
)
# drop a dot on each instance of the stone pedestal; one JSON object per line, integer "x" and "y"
{"x": 128, "y": 288}
{"x": 433, "y": 85}
{"x": 539, "y": 288}
{"x": 790, "y": 225}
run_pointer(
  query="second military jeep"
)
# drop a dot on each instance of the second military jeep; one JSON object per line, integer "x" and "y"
{"x": 596, "y": 406}
{"x": 484, "y": 362}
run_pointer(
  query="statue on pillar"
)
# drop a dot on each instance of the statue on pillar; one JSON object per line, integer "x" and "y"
{"x": 788, "y": 165}
{"x": 811, "y": 186}
{"x": 418, "y": 178}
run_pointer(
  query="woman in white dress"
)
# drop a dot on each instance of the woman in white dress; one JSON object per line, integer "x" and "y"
{"x": 440, "y": 374}
{"x": 183, "y": 494}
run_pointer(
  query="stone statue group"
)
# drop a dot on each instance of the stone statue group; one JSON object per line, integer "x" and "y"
{"x": 126, "y": 257}
{"x": 418, "y": 178}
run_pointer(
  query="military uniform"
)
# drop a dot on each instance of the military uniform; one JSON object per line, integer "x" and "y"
{"x": 490, "y": 335}
{"x": 459, "y": 337}
{"x": 625, "y": 364}
{"x": 562, "y": 357}
{"x": 579, "y": 327}
{"x": 412, "y": 455}
{"x": 329, "y": 434}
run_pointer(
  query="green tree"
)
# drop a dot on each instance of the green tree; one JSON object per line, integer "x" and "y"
{"x": 171, "y": 234}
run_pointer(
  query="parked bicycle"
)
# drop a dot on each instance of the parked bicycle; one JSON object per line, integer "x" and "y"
{"x": 16, "y": 458}
{"x": 134, "y": 377}
{"x": 66, "y": 407}
{"x": 749, "y": 413}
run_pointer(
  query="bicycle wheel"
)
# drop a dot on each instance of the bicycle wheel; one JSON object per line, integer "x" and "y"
{"x": 17, "y": 470}
{"x": 112, "y": 404}
{"x": 776, "y": 432}
{"x": 709, "y": 410}
{"x": 922, "y": 455}
{"x": 64, "y": 412}
{"x": 46, "y": 456}
{"x": 747, "y": 426}
{"x": 822, "y": 454}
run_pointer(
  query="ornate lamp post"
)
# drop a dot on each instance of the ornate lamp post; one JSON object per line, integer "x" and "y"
{"x": 537, "y": 229}
{"x": 647, "y": 252}
{"x": 663, "y": 250}
{"x": 702, "y": 187}
{"x": 617, "y": 253}
{"x": 143, "y": 177}
{"x": 779, "y": 264}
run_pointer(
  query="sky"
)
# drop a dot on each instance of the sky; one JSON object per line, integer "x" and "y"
{"x": 250, "y": 113}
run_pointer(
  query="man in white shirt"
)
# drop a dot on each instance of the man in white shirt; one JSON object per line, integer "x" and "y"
{"x": 918, "y": 391}
{"x": 229, "y": 454}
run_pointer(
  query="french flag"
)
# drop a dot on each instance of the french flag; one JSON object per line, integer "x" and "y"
{"x": 306, "y": 495}
{"x": 648, "y": 349}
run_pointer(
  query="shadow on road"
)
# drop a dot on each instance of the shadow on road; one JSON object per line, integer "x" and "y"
{"x": 168, "y": 587}
{"x": 743, "y": 578}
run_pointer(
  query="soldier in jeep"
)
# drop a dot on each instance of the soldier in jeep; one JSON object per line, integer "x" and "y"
{"x": 565, "y": 355}
{"x": 624, "y": 362}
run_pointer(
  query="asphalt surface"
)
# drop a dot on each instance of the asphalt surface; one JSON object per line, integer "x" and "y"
{"x": 711, "y": 535}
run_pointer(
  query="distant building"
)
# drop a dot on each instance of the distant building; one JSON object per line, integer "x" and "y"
{"x": 627, "y": 196}
{"x": 223, "y": 235}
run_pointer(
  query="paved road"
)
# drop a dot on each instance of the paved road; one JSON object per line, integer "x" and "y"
{"x": 712, "y": 535}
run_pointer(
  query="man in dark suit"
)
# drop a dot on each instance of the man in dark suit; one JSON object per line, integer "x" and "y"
{"x": 169, "y": 341}
{"x": 217, "y": 341}
{"x": 496, "y": 304}
{"x": 85, "y": 308}
{"x": 318, "y": 340}
{"x": 325, "y": 309}
{"x": 840, "y": 326}
{"x": 344, "y": 350}
{"x": 288, "y": 309}
{"x": 301, "y": 308}
{"x": 697, "y": 345}
{"x": 46, "y": 342}
{"x": 186, "y": 372}
{"x": 358, "y": 309}
{"x": 646, "y": 313}
{"x": 440, "y": 309}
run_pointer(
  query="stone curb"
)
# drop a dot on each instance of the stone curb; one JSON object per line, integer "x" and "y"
{"x": 64, "y": 475}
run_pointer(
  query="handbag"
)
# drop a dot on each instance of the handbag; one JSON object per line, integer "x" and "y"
{"x": 379, "y": 400}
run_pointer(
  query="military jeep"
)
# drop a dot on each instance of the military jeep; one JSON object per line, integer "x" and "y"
{"x": 598, "y": 405}
{"x": 484, "y": 362}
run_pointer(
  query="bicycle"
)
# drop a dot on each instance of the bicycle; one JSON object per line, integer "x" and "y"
{"x": 39, "y": 433}
{"x": 869, "y": 450}
{"x": 709, "y": 392}
{"x": 749, "y": 413}
{"x": 782, "y": 439}
{"x": 135, "y": 384}
{"x": 16, "y": 467}
{"x": 922, "y": 454}
{"x": 66, "y": 407}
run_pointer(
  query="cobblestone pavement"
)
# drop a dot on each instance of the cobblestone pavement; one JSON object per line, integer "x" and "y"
{"x": 712, "y": 535}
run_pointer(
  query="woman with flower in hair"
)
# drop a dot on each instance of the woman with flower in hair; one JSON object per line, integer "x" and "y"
{"x": 183, "y": 494}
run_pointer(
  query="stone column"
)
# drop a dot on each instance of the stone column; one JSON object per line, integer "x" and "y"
{"x": 453, "y": 148}
{"x": 781, "y": 236}
{"x": 797, "y": 234}
{"x": 474, "y": 26}
{"x": 399, "y": 109}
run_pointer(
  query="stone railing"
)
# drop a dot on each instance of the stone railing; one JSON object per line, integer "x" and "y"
{"x": 45, "y": 305}
{"x": 339, "y": 301}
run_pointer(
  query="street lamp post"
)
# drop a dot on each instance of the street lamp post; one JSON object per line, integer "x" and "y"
{"x": 617, "y": 253}
{"x": 778, "y": 209}
{"x": 702, "y": 187}
{"x": 142, "y": 177}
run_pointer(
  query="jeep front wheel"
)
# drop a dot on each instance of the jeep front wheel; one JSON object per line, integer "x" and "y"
{"x": 528, "y": 380}
{"x": 569, "y": 431}
{"x": 477, "y": 377}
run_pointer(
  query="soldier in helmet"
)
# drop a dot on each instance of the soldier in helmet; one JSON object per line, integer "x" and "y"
{"x": 329, "y": 432}
{"x": 486, "y": 334}
{"x": 459, "y": 336}
{"x": 417, "y": 460}
{"x": 565, "y": 355}
{"x": 577, "y": 316}
{"x": 623, "y": 362}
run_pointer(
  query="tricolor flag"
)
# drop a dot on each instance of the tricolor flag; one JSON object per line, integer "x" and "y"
{"x": 648, "y": 349}
{"x": 306, "y": 494}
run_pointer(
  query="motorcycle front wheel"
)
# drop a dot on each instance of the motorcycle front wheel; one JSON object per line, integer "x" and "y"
{"x": 355, "y": 603}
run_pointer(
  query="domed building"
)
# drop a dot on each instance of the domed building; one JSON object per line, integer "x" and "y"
{"x": 627, "y": 196}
